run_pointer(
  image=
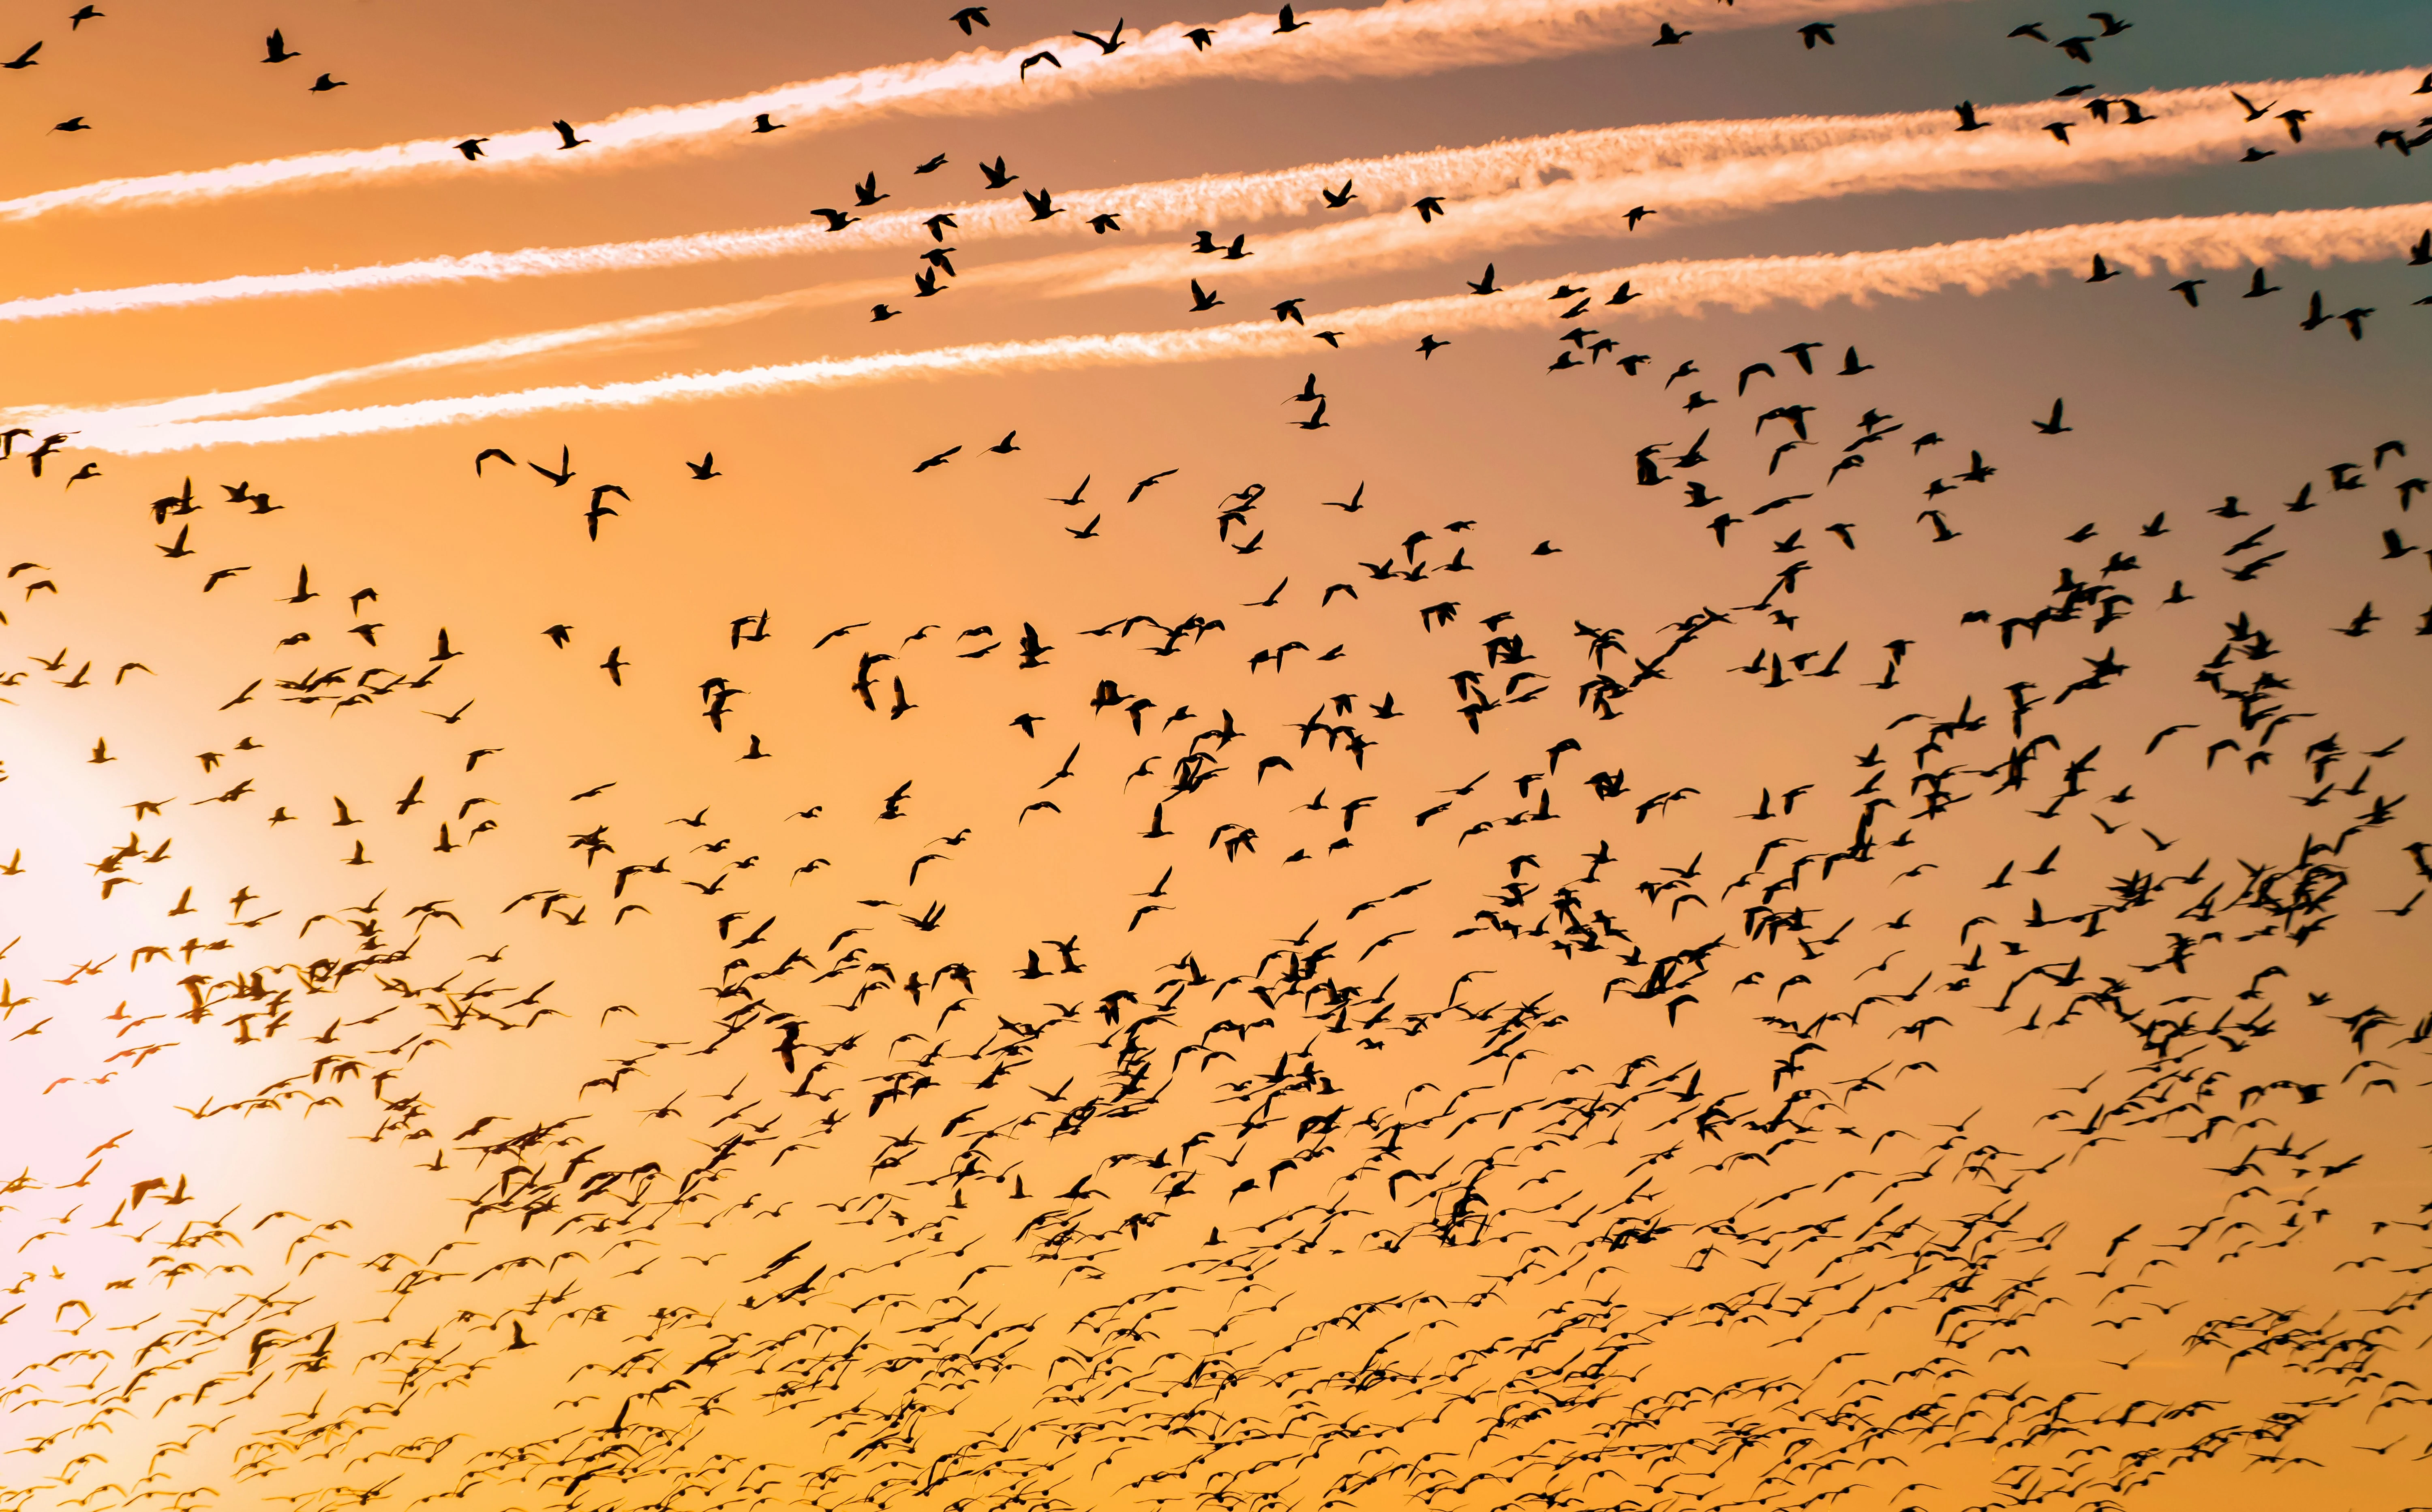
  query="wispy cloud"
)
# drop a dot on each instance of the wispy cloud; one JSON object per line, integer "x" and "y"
{"x": 1573, "y": 183}
{"x": 1680, "y": 287}
{"x": 1414, "y": 38}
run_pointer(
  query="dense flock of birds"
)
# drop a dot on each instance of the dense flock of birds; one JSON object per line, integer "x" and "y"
{"x": 1401, "y": 1038}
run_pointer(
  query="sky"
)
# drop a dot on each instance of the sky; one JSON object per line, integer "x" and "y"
{"x": 1427, "y": 885}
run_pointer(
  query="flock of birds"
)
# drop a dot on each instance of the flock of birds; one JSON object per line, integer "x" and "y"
{"x": 1405, "y": 1038}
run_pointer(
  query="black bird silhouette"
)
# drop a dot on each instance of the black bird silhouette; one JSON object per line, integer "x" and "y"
{"x": 969, "y": 17}
{"x": 599, "y": 510}
{"x": 277, "y": 50}
{"x": 567, "y": 140}
{"x": 1107, "y": 43}
{"x": 995, "y": 174}
{"x": 25, "y": 59}
{"x": 1670, "y": 37}
{"x": 2053, "y": 427}
{"x": 564, "y": 474}
{"x": 761, "y": 123}
{"x": 1967, "y": 121}
{"x": 1816, "y": 31}
{"x": 1285, "y": 22}
{"x": 471, "y": 148}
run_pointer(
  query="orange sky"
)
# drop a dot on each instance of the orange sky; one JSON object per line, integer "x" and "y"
{"x": 1447, "y": 1054}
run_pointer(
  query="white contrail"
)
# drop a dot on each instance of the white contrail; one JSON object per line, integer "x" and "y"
{"x": 2190, "y": 127}
{"x": 2184, "y": 129}
{"x": 1683, "y": 287}
{"x": 598, "y": 336}
{"x": 1410, "y": 38}
{"x": 1684, "y": 169}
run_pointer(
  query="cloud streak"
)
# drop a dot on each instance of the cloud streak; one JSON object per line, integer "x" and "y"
{"x": 1413, "y": 38}
{"x": 1608, "y": 173}
{"x": 2177, "y": 243}
{"x": 1565, "y": 184}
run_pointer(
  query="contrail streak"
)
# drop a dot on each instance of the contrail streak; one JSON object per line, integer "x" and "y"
{"x": 1683, "y": 287}
{"x": 1912, "y": 152}
{"x": 1684, "y": 169}
{"x": 598, "y": 336}
{"x": 1413, "y": 38}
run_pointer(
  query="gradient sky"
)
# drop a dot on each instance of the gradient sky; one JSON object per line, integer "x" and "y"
{"x": 1324, "y": 1170}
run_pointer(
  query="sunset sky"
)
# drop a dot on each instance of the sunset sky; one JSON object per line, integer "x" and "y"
{"x": 1064, "y": 900}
